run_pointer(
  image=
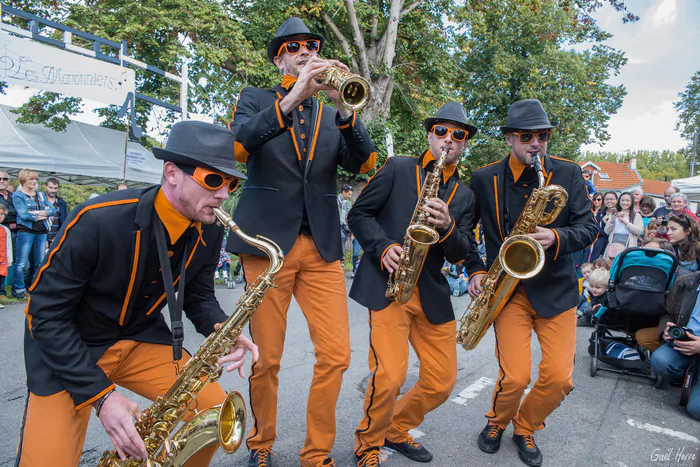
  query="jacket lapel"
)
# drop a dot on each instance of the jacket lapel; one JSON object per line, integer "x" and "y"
{"x": 498, "y": 190}
{"x": 144, "y": 213}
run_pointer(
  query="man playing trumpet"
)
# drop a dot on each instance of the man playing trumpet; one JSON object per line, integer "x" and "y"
{"x": 292, "y": 145}
{"x": 379, "y": 220}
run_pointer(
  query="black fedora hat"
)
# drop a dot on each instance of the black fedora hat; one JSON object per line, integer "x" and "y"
{"x": 527, "y": 114}
{"x": 451, "y": 112}
{"x": 200, "y": 144}
{"x": 290, "y": 28}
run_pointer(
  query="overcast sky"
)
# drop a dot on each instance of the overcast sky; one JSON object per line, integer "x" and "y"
{"x": 663, "y": 49}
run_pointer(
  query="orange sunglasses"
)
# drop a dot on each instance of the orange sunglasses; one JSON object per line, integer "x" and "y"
{"x": 210, "y": 179}
{"x": 458, "y": 134}
{"x": 294, "y": 47}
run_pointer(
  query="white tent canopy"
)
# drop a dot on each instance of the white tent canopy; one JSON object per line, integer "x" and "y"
{"x": 689, "y": 187}
{"x": 83, "y": 154}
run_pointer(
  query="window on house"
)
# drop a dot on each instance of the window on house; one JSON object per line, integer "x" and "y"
{"x": 603, "y": 176}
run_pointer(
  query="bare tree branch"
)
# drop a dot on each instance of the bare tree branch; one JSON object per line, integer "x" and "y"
{"x": 344, "y": 43}
{"x": 410, "y": 7}
{"x": 358, "y": 38}
{"x": 392, "y": 30}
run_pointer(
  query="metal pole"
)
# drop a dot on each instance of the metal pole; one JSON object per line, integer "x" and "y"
{"x": 692, "y": 161}
{"x": 183, "y": 91}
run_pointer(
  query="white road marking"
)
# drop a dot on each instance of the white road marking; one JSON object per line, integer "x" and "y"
{"x": 527, "y": 390}
{"x": 416, "y": 433}
{"x": 473, "y": 390}
{"x": 621, "y": 464}
{"x": 664, "y": 431}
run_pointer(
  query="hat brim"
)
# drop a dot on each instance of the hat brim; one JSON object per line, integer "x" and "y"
{"x": 508, "y": 129}
{"x": 429, "y": 122}
{"x": 277, "y": 42}
{"x": 169, "y": 156}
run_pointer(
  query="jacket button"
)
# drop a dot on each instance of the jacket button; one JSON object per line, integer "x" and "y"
{"x": 526, "y": 196}
{"x": 301, "y": 108}
{"x": 301, "y": 121}
{"x": 303, "y": 136}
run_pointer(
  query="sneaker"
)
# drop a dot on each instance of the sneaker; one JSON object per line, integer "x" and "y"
{"x": 527, "y": 450}
{"x": 20, "y": 296}
{"x": 490, "y": 439}
{"x": 260, "y": 458}
{"x": 369, "y": 458}
{"x": 411, "y": 449}
{"x": 328, "y": 462}
{"x": 2, "y": 306}
{"x": 216, "y": 275}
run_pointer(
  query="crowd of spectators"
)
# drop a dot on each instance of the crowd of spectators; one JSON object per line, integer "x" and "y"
{"x": 632, "y": 219}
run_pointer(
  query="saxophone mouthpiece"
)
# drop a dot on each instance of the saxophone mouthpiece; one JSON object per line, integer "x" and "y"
{"x": 536, "y": 161}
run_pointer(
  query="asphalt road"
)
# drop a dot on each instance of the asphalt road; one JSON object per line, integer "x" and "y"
{"x": 609, "y": 420}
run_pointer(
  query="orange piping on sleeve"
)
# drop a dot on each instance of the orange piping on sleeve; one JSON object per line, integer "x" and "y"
{"x": 450, "y": 231}
{"x": 475, "y": 273}
{"x": 369, "y": 163}
{"x": 279, "y": 113}
{"x": 29, "y": 317}
{"x": 418, "y": 187}
{"x": 452, "y": 195}
{"x": 93, "y": 399}
{"x": 556, "y": 254}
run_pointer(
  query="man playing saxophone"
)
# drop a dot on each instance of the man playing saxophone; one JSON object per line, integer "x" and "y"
{"x": 379, "y": 219}
{"x": 545, "y": 303}
{"x": 292, "y": 145}
{"x": 94, "y": 317}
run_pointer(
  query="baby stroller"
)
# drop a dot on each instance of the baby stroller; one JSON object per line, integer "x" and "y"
{"x": 639, "y": 280}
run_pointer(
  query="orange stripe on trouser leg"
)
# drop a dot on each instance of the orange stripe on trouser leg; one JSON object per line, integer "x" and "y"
{"x": 267, "y": 328}
{"x": 45, "y": 418}
{"x": 513, "y": 329}
{"x": 388, "y": 361}
{"x": 320, "y": 290}
{"x": 436, "y": 348}
{"x": 557, "y": 338}
{"x": 391, "y": 331}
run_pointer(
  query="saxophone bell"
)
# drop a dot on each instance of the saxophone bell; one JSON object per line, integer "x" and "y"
{"x": 355, "y": 91}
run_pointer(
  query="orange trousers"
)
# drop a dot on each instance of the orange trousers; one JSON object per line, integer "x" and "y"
{"x": 390, "y": 332}
{"x": 648, "y": 338}
{"x": 53, "y": 432}
{"x": 557, "y": 338}
{"x": 319, "y": 289}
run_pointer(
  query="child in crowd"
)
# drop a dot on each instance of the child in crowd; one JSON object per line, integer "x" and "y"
{"x": 603, "y": 263}
{"x": 5, "y": 252}
{"x": 586, "y": 269}
{"x": 597, "y": 286}
{"x": 660, "y": 243}
{"x": 222, "y": 269}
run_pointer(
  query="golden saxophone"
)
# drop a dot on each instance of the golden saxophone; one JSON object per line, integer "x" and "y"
{"x": 520, "y": 257}
{"x": 355, "y": 92}
{"x": 224, "y": 424}
{"x": 419, "y": 238}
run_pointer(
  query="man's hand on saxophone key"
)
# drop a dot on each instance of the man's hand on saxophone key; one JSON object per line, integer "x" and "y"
{"x": 117, "y": 414}
{"x": 544, "y": 236}
{"x": 391, "y": 258}
{"x": 474, "y": 287}
{"x": 439, "y": 214}
{"x": 236, "y": 356}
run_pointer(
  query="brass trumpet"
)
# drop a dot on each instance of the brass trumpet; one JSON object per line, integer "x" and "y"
{"x": 355, "y": 92}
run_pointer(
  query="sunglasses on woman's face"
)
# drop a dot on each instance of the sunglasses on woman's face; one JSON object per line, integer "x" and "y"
{"x": 294, "y": 47}
{"x": 526, "y": 136}
{"x": 598, "y": 200}
{"x": 457, "y": 133}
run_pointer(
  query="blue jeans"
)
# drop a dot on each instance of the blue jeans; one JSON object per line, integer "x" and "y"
{"x": 667, "y": 361}
{"x": 27, "y": 244}
{"x": 355, "y": 253}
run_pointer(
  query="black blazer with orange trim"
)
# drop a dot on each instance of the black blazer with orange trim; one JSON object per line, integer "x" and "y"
{"x": 280, "y": 187}
{"x": 82, "y": 301}
{"x": 554, "y": 290}
{"x": 379, "y": 219}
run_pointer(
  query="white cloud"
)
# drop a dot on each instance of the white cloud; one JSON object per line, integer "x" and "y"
{"x": 663, "y": 13}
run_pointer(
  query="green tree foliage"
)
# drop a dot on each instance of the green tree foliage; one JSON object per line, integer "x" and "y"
{"x": 50, "y": 109}
{"x": 688, "y": 107}
{"x": 550, "y": 50}
{"x": 76, "y": 194}
{"x": 652, "y": 165}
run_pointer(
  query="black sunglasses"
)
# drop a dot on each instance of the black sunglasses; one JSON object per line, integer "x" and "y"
{"x": 457, "y": 134}
{"x": 526, "y": 136}
{"x": 293, "y": 47}
{"x": 4, "y": 179}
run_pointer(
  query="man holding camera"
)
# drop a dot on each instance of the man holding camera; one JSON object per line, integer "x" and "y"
{"x": 680, "y": 329}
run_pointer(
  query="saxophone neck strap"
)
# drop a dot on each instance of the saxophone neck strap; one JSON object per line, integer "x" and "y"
{"x": 175, "y": 303}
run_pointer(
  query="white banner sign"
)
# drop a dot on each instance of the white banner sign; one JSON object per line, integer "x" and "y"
{"x": 29, "y": 63}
